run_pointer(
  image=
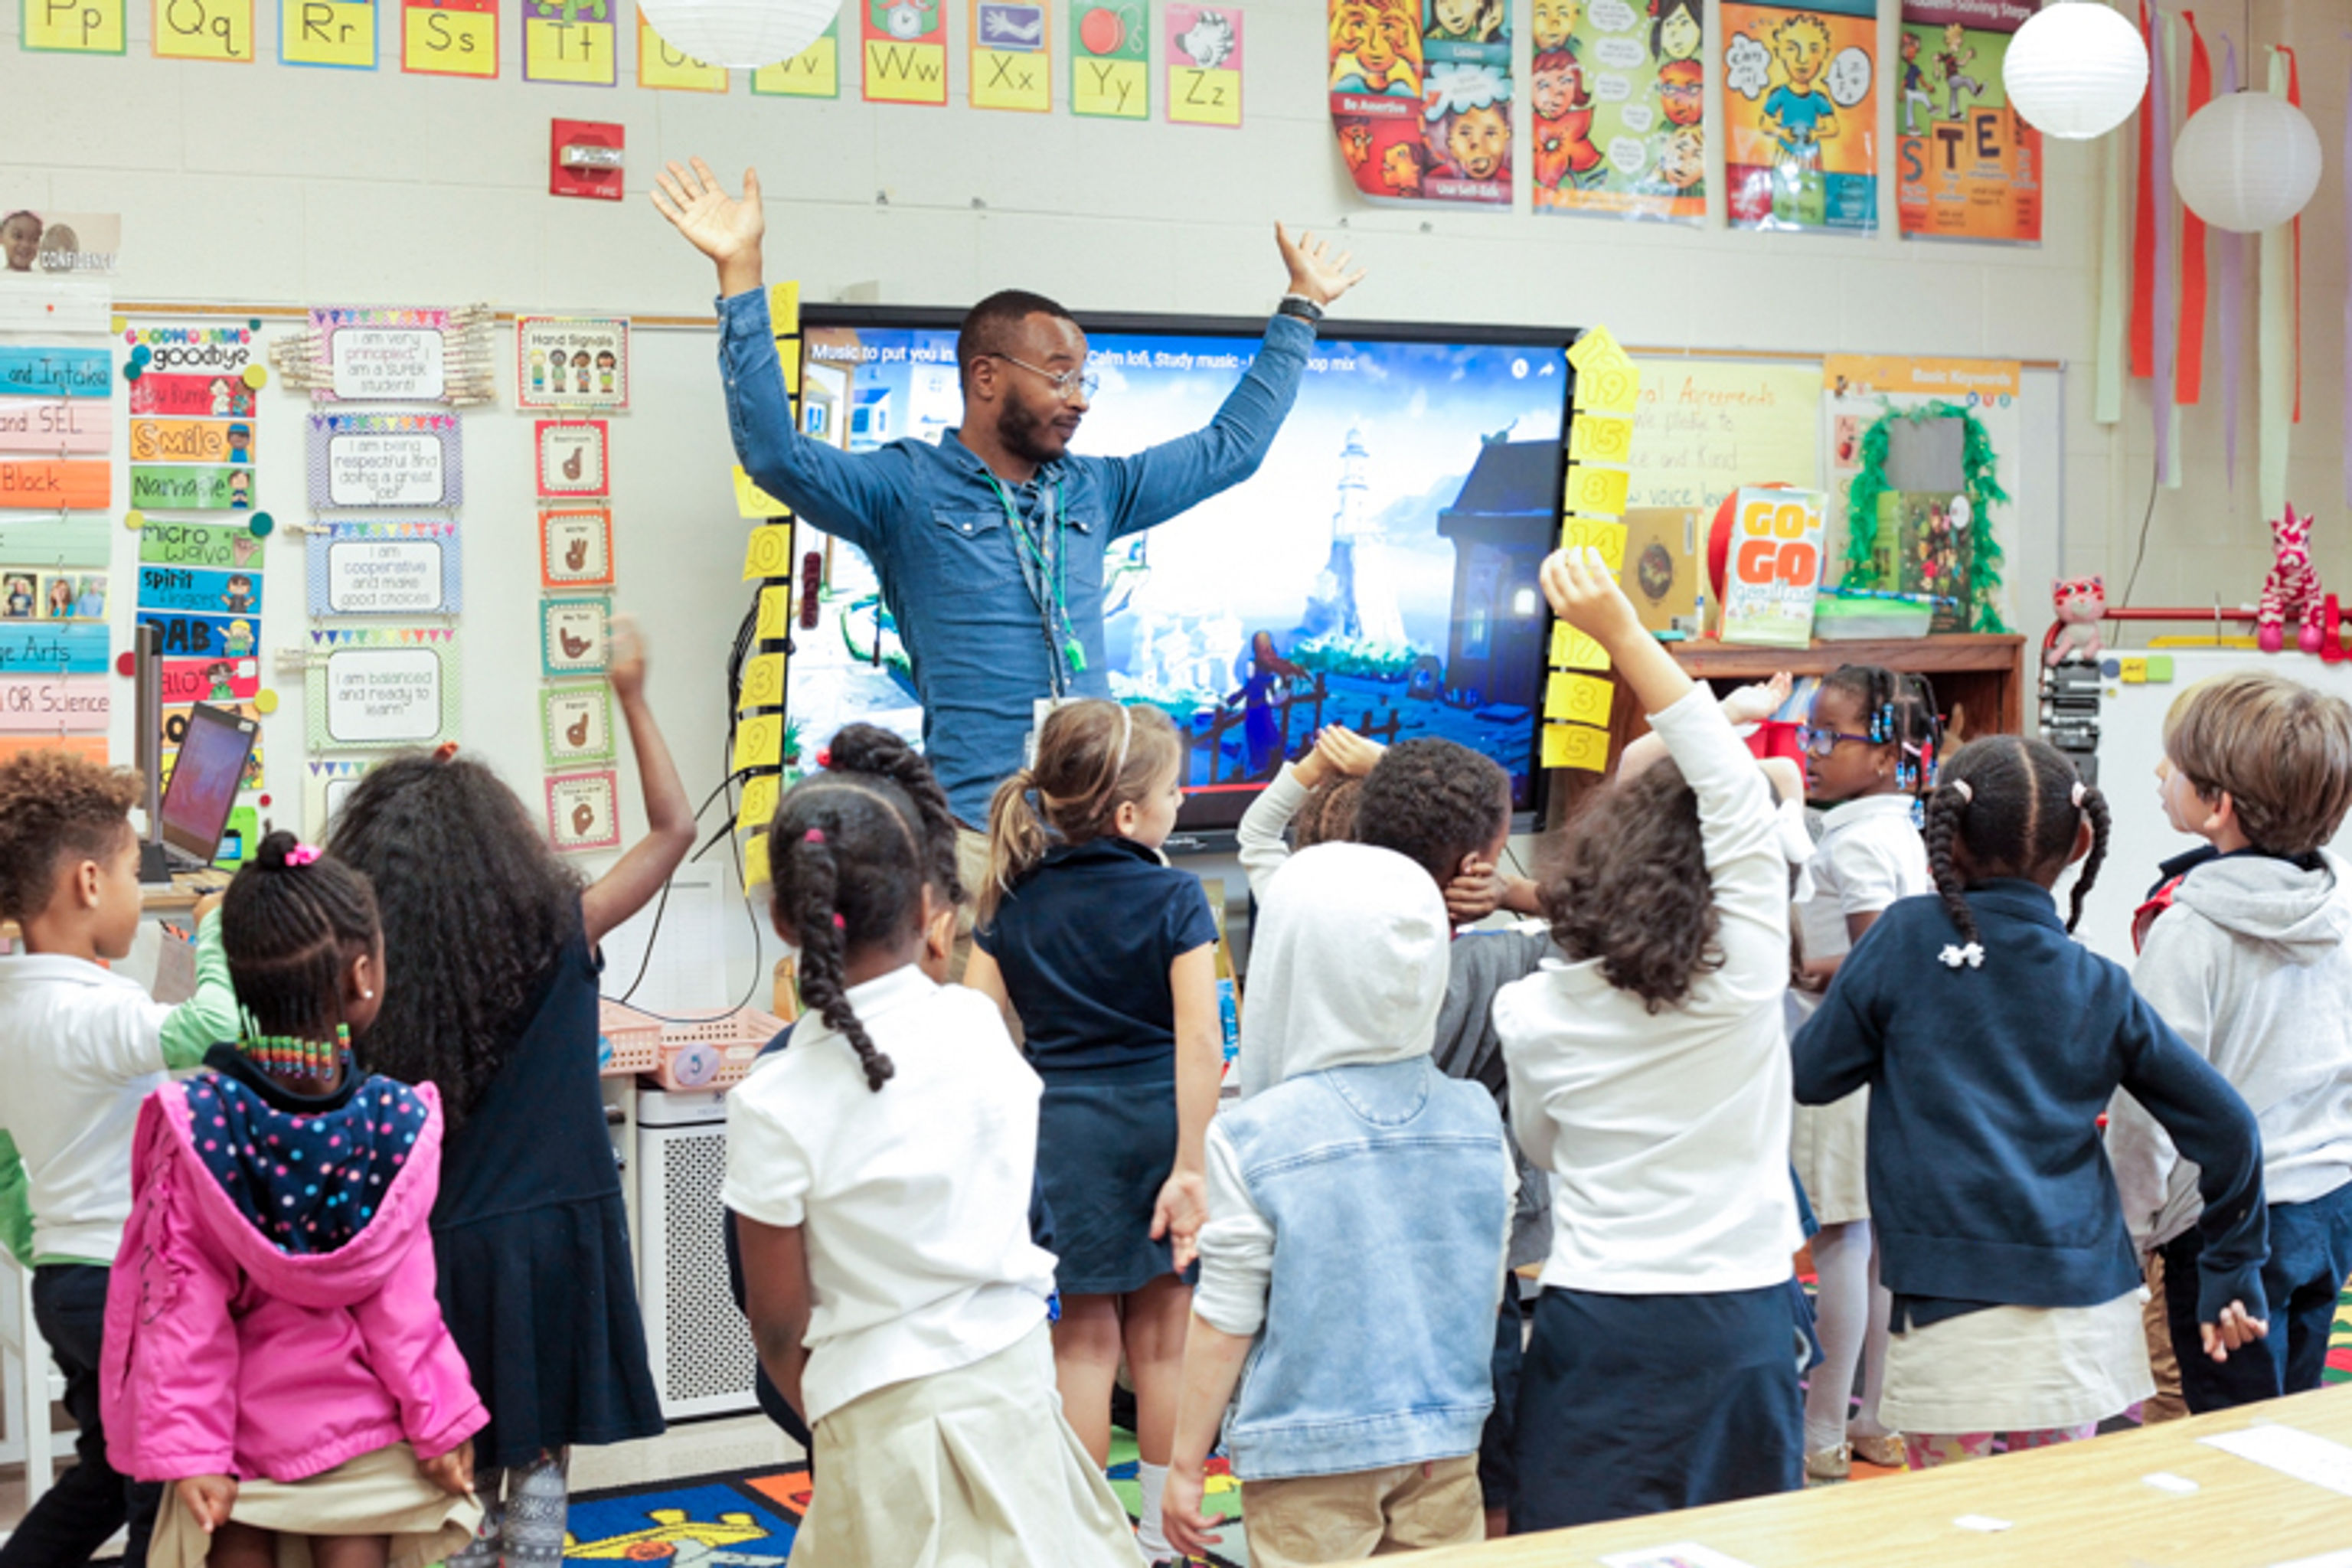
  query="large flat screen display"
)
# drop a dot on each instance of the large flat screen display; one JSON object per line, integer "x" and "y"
{"x": 1379, "y": 571}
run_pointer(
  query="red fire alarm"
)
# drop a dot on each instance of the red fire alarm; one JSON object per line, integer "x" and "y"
{"x": 585, "y": 159}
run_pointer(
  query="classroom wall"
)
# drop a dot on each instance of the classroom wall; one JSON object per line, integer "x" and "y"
{"x": 275, "y": 184}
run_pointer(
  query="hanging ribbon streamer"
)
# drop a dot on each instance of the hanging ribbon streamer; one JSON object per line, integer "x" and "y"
{"x": 2275, "y": 382}
{"x": 2143, "y": 299}
{"x": 2295, "y": 96}
{"x": 2167, "y": 327}
{"x": 2115, "y": 289}
{"x": 2231, "y": 265}
{"x": 2347, "y": 314}
{"x": 2190, "y": 385}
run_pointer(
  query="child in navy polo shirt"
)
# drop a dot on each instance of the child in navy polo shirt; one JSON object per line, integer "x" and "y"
{"x": 1106, "y": 956}
{"x": 1990, "y": 1042}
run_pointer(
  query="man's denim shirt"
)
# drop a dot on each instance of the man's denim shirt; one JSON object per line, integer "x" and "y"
{"x": 930, "y": 520}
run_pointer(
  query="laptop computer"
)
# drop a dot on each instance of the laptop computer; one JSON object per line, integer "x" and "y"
{"x": 204, "y": 779}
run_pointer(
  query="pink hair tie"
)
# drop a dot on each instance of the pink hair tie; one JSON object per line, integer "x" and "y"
{"x": 839, "y": 923}
{"x": 814, "y": 836}
{"x": 1960, "y": 787}
{"x": 2077, "y": 795}
{"x": 824, "y": 757}
{"x": 302, "y": 855}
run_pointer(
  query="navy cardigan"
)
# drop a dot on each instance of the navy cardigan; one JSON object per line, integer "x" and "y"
{"x": 1987, "y": 1179}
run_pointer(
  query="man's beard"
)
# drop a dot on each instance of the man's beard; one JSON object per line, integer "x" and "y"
{"x": 1027, "y": 436}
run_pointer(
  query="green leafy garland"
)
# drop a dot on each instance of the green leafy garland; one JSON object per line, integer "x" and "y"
{"x": 1977, "y": 464}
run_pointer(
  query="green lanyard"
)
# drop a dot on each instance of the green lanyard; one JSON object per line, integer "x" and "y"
{"x": 1045, "y": 568}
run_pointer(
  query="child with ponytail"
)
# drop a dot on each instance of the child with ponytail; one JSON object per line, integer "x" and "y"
{"x": 1106, "y": 954}
{"x": 1990, "y": 1042}
{"x": 1870, "y": 748}
{"x": 880, "y": 1168}
{"x": 273, "y": 1343}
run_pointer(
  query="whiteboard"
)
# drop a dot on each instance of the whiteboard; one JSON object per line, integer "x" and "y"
{"x": 2131, "y": 742}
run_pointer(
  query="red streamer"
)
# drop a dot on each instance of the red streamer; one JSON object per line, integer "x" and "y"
{"x": 2143, "y": 303}
{"x": 2190, "y": 377}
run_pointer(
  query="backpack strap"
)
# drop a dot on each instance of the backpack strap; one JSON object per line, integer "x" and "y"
{"x": 2145, "y": 917}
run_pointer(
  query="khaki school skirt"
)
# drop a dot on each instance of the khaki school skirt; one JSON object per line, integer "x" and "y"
{"x": 382, "y": 1493}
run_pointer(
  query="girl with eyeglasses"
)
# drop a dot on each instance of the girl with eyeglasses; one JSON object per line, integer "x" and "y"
{"x": 1869, "y": 747}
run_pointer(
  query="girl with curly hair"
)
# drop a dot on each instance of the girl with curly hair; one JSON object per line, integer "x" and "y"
{"x": 494, "y": 941}
{"x": 1649, "y": 1075}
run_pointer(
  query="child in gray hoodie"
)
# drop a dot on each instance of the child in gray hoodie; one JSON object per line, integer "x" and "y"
{"x": 2244, "y": 950}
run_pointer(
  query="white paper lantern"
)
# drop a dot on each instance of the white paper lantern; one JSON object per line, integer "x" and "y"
{"x": 740, "y": 34}
{"x": 2246, "y": 162}
{"x": 2075, "y": 70}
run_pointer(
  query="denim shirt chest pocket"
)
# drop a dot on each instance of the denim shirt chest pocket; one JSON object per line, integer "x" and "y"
{"x": 972, "y": 552}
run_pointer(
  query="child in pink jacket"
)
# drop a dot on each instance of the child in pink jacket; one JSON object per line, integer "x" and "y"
{"x": 273, "y": 1342}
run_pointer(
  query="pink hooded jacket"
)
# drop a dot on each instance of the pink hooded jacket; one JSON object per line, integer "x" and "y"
{"x": 226, "y": 1355}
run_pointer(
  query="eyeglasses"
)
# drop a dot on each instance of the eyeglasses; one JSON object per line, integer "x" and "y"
{"x": 1822, "y": 742}
{"x": 1069, "y": 386}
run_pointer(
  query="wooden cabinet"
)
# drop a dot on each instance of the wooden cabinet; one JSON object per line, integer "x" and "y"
{"x": 1983, "y": 673}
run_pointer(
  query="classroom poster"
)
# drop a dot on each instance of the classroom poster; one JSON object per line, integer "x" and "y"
{"x": 665, "y": 68}
{"x": 1968, "y": 166}
{"x": 1801, "y": 103}
{"x": 905, "y": 48}
{"x": 339, "y": 34}
{"x": 572, "y": 361}
{"x": 1465, "y": 111}
{"x": 1110, "y": 58}
{"x": 1702, "y": 428}
{"x": 1204, "y": 64}
{"x": 814, "y": 72}
{"x": 219, "y": 30}
{"x": 449, "y": 38}
{"x": 561, "y": 43}
{"x": 1012, "y": 60}
{"x": 79, "y": 27}
{"x": 1619, "y": 93}
{"x": 1376, "y": 65}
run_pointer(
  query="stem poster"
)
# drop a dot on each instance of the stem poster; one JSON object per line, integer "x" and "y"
{"x": 1620, "y": 92}
{"x": 1421, "y": 97}
{"x": 1800, "y": 101}
{"x": 1968, "y": 167}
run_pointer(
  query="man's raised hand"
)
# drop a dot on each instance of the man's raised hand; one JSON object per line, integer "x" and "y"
{"x": 726, "y": 230}
{"x": 1315, "y": 273}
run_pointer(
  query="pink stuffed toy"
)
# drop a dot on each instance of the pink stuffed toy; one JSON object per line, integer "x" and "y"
{"x": 2292, "y": 589}
{"x": 2082, "y": 605}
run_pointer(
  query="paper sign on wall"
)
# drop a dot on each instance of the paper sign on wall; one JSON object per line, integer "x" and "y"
{"x": 574, "y": 636}
{"x": 814, "y": 72}
{"x": 339, "y": 33}
{"x": 54, "y": 704}
{"x": 58, "y": 425}
{"x": 575, "y": 548}
{"x": 56, "y": 647}
{"x": 757, "y": 807}
{"x": 1012, "y": 55}
{"x": 558, "y": 46}
{"x": 1774, "y": 572}
{"x": 669, "y": 69}
{"x": 1618, "y": 94}
{"x": 163, "y": 544}
{"x": 376, "y": 688}
{"x": 35, "y": 486}
{"x": 204, "y": 30}
{"x": 449, "y": 38}
{"x": 1110, "y": 58}
{"x": 582, "y": 811}
{"x": 576, "y": 724}
{"x": 191, "y": 395}
{"x": 75, "y": 27}
{"x": 226, "y": 441}
{"x": 405, "y": 354}
{"x": 1801, "y": 100}
{"x": 385, "y": 460}
{"x": 572, "y": 361}
{"x": 30, "y": 594}
{"x": 200, "y": 590}
{"x": 572, "y": 457}
{"x": 329, "y": 782}
{"x": 906, "y": 51}
{"x": 55, "y": 373}
{"x": 216, "y": 681}
{"x": 1968, "y": 165}
{"x": 1205, "y": 64}
{"x": 383, "y": 569}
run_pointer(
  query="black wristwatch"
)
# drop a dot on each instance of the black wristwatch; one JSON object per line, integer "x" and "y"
{"x": 1300, "y": 306}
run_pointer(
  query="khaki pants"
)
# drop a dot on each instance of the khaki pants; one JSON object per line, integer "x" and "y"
{"x": 1368, "y": 1513}
{"x": 2166, "y": 1404}
{"x": 971, "y": 870}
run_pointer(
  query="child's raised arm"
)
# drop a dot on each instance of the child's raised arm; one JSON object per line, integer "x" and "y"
{"x": 639, "y": 874}
{"x": 1746, "y": 869}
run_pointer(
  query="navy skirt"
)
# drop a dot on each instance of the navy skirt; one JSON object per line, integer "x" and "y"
{"x": 1637, "y": 1405}
{"x": 1104, "y": 1150}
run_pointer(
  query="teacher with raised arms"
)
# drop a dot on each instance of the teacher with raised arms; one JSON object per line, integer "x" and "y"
{"x": 989, "y": 545}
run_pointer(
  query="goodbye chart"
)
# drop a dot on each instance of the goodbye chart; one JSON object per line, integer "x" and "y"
{"x": 383, "y": 569}
{"x": 363, "y": 460}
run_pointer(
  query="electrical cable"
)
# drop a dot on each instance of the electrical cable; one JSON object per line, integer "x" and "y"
{"x": 2155, "y": 485}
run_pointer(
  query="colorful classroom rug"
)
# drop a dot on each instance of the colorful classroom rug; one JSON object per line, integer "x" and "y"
{"x": 747, "y": 1518}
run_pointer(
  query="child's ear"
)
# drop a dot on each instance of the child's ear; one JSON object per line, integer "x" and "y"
{"x": 2222, "y": 811}
{"x": 86, "y": 878}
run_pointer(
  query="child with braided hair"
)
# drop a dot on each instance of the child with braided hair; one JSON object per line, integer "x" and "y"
{"x": 880, "y": 1170}
{"x": 1869, "y": 744}
{"x": 273, "y": 1343}
{"x": 1990, "y": 1042}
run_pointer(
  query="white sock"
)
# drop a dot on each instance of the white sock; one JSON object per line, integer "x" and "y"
{"x": 1154, "y": 1481}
